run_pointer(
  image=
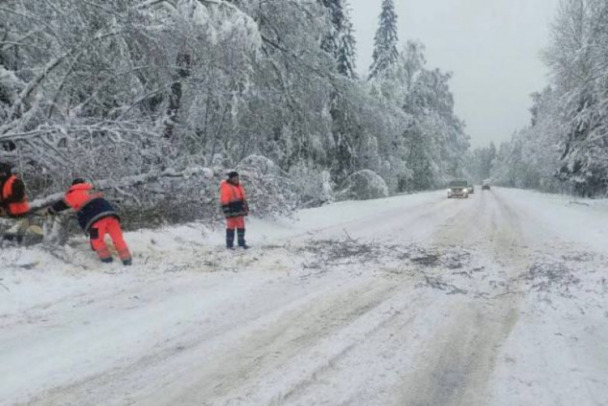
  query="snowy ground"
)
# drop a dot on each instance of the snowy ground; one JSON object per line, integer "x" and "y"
{"x": 500, "y": 299}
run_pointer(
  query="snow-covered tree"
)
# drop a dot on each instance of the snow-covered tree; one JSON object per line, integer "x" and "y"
{"x": 339, "y": 40}
{"x": 579, "y": 61}
{"x": 347, "y": 53}
{"x": 566, "y": 145}
{"x": 385, "y": 41}
{"x": 127, "y": 92}
{"x": 432, "y": 142}
{"x": 335, "y": 14}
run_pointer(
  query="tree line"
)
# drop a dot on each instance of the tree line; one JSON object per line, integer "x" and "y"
{"x": 565, "y": 146}
{"x": 122, "y": 88}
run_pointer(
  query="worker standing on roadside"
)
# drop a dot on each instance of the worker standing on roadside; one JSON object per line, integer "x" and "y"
{"x": 235, "y": 208}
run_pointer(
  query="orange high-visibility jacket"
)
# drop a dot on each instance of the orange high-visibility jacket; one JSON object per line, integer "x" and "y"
{"x": 89, "y": 204}
{"x": 232, "y": 199}
{"x": 80, "y": 195}
{"x": 14, "y": 202}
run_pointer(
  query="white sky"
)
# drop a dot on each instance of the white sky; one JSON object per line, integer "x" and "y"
{"x": 492, "y": 47}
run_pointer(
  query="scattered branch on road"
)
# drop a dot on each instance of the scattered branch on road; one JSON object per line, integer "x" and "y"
{"x": 437, "y": 283}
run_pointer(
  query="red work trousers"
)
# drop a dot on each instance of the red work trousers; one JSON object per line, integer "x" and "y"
{"x": 98, "y": 231}
{"x": 235, "y": 222}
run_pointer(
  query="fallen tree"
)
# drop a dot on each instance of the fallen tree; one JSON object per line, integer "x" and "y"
{"x": 127, "y": 182}
{"x": 173, "y": 196}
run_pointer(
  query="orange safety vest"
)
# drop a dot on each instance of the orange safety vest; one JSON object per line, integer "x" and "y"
{"x": 17, "y": 208}
{"x": 232, "y": 199}
{"x": 90, "y": 206}
{"x": 230, "y": 193}
{"x": 80, "y": 194}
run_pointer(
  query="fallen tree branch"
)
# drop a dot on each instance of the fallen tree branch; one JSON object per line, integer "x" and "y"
{"x": 129, "y": 181}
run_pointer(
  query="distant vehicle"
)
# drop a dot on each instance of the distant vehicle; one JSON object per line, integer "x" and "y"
{"x": 458, "y": 188}
{"x": 471, "y": 189}
{"x": 485, "y": 185}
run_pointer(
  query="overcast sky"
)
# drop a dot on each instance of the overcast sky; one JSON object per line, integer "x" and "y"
{"x": 492, "y": 47}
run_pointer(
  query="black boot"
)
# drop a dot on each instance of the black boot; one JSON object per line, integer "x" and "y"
{"x": 229, "y": 239}
{"x": 17, "y": 238}
{"x": 241, "y": 234}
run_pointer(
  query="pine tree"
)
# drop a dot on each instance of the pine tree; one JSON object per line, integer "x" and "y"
{"x": 331, "y": 39}
{"x": 340, "y": 41}
{"x": 347, "y": 48}
{"x": 385, "y": 40}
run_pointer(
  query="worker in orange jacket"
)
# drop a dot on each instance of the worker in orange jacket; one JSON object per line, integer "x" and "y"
{"x": 235, "y": 208}
{"x": 96, "y": 217}
{"x": 13, "y": 198}
{"x": 13, "y": 202}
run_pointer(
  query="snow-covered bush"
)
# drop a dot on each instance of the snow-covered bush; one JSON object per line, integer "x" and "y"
{"x": 363, "y": 185}
{"x": 269, "y": 192}
{"x": 314, "y": 186}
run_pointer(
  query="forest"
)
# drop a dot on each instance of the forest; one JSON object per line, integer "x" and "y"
{"x": 177, "y": 92}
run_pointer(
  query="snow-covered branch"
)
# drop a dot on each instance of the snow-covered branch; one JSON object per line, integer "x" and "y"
{"x": 126, "y": 182}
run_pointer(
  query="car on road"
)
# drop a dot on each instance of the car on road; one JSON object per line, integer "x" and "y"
{"x": 485, "y": 185}
{"x": 471, "y": 189}
{"x": 458, "y": 188}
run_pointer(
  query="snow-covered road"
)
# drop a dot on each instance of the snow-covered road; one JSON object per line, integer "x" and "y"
{"x": 500, "y": 299}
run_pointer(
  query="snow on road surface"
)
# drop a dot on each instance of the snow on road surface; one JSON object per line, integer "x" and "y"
{"x": 499, "y": 299}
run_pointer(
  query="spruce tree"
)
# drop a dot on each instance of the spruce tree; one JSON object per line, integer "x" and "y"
{"x": 385, "y": 40}
{"x": 347, "y": 48}
{"x": 339, "y": 40}
{"x": 331, "y": 39}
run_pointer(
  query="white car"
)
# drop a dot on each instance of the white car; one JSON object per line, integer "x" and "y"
{"x": 458, "y": 188}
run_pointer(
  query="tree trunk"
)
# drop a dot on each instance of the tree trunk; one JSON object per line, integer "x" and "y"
{"x": 175, "y": 99}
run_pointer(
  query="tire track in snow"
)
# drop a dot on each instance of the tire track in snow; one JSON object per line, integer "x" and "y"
{"x": 229, "y": 361}
{"x": 388, "y": 224}
{"x": 398, "y": 319}
{"x": 457, "y": 364}
{"x": 245, "y": 367}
